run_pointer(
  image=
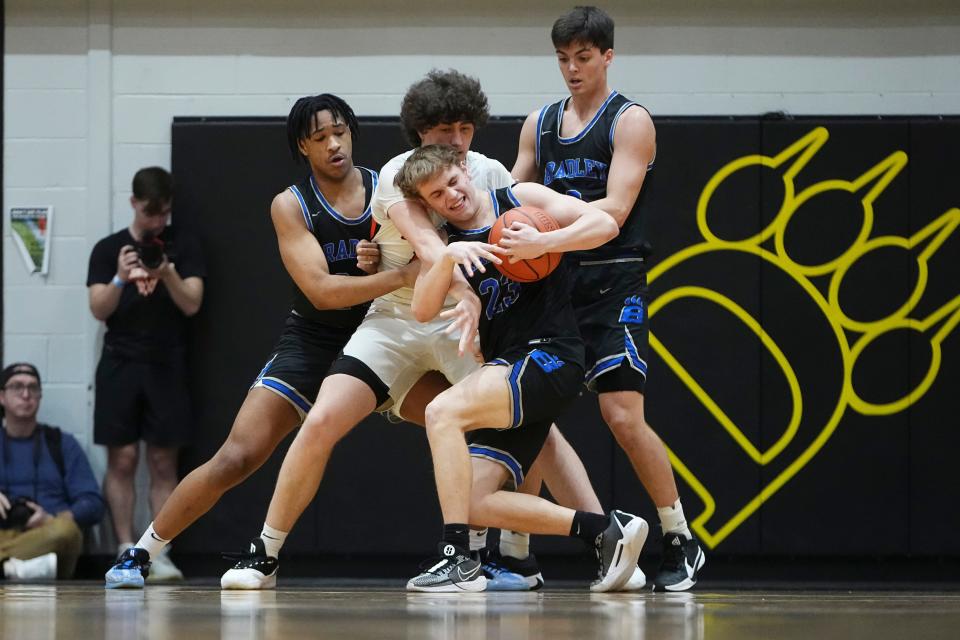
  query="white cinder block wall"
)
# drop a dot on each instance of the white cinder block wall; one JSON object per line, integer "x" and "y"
{"x": 91, "y": 87}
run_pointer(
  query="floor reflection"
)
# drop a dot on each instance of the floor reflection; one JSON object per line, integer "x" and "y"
{"x": 318, "y": 610}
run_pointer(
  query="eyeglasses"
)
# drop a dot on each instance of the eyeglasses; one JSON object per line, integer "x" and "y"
{"x": 32, "y": 389}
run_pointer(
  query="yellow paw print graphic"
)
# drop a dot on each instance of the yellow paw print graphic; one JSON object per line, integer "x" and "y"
{"x": 829, "y": 296}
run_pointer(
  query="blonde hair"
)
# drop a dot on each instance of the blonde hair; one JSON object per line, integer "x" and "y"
{"x": 423, "y": 164}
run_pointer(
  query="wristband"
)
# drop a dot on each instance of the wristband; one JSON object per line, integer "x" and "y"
{"x": 117, "y": 282}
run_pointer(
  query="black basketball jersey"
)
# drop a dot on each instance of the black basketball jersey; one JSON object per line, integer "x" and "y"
{"x": 515, "y": 314}
{"x": 338, "y": 236}
{"x": 578, "y": 167}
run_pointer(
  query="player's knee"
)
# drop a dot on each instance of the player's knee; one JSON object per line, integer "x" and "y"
{"x": 320, "y": 431}
{"x": 624, "y": 420}
{"x": 232, "y": 463}
{"x": 440, "y": 416}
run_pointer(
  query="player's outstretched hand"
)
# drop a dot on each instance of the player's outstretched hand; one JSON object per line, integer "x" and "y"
{"x": 465, "y": 318}
{"x": 368, "y": 256}
{"x": 522, "y": 242}
{"x": 470, "y": 255}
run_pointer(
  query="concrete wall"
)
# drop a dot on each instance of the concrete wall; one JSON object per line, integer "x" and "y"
{"x": 92, "y": 86}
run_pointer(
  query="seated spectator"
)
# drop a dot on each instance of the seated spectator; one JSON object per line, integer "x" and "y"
{"x": 47, "y": 491}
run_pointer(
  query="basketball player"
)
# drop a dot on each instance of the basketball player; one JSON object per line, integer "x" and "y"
{"x": 322, "y": 223}
{"x": 599, "y": 145}
{"x": 534, "y": 355}
{"x": 385, "y": 364}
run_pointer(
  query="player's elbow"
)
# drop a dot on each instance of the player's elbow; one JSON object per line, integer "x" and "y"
{"x": 611, "y": 228}
{"x": 422, "y": 312}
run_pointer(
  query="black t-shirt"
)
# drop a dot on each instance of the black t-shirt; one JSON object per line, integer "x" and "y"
{"x": 145, "y": 326}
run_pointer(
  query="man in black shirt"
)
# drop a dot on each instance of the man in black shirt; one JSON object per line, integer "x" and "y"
{"x": 144, "y": 282}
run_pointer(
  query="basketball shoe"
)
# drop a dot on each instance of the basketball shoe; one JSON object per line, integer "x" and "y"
{"x": 454, "y": 571}
{"x": 131, "y": 569}
{"x": 526, "y": 569}
{"x": 618, "y": 549}
{"x": 682, "y": 560}
{"x": 254, "y": 569}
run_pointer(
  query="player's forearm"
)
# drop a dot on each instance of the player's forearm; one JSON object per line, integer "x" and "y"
{"x": 587, "y": 232}
{"x": 341, "y": 291}
{"x": 431, "y": 289}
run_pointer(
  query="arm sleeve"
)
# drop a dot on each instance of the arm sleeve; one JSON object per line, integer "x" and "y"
{"x": 82, "y": 490}
{"x": 103, "y": 266}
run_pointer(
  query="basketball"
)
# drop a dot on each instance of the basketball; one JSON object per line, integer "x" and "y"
{"x": 535, "y": 268}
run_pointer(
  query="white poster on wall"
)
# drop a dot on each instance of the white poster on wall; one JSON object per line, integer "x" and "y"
{"x": 30, "y": 227}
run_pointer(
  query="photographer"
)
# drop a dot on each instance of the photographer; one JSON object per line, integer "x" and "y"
{"x": 47, "y": 490}
{"x": 144, "y": 282}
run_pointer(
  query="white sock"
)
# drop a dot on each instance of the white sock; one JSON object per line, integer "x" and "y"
{"x": 478, "y": 539}
{"x": 153, "y": 543}
{"x": 273, "y": 540}
{"x": 514, "y": 544}
{"x": 673, "y": 521}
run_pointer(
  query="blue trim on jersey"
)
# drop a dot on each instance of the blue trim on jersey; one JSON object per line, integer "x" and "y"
{"x": 512, "y": 197}
{"x": 516, "y": 393}
{"x": 543, "y": 113}
{"x": 616, "y": 118}
{"x": 374, "y": 181}
{"x": 504, "y": 458}
{"x": 303, "y": 206}
{"x": 496, "y": 204}
{"x": 586, "y": 129}
{"x": 287, "y": 392}
{"x": 336, "y": 215}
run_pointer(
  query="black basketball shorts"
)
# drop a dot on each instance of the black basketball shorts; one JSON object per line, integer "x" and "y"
{"x": 543, "y": 380}
{"x": 611, "y": 299}
{"x": 300, "y": 361}
{"x": 142, "y": 400}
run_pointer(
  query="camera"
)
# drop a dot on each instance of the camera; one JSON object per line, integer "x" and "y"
{"x": 150, "y": 250}
{"x": 17, "y": 515}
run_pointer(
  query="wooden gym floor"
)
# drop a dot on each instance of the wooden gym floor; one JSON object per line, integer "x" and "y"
{"x": 375, "y": 609}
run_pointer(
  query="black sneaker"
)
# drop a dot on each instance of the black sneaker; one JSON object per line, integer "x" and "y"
{"x": 453, "y": 571}
{"x": 253, "y": 570}
{"x": 682, "y": 560}
{"x": 618, "y": 549}
{"x": 527, "y": 568}
{"x": 131, "y": 569}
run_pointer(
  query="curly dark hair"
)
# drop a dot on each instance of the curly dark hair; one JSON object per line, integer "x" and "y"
{"x": 587, "y": 25}
{"x": 440, "y": 98}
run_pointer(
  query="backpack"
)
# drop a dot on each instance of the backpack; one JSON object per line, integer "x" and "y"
{"x": 54, "y": 438}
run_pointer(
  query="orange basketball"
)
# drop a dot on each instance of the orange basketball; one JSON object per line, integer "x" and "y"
{"x": 535, "y": 268}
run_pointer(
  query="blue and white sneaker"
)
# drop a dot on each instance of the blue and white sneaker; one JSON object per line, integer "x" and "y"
{"x": 500, "y": 578}
{"x": 131, "y": 569}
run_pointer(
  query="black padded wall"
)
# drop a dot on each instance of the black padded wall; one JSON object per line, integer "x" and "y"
{"x": 803, "y": 364}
